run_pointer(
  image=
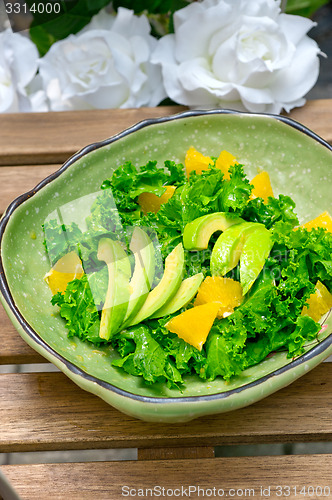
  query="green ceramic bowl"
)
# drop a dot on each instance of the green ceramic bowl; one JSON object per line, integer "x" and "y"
{"x": 299, "y": 164}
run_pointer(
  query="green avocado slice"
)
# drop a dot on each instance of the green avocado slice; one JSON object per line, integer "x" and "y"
{"x": 117, "y": 295}
{"x": 182, "y": 297}
{"x": 228, "y": 247}
{"x": 196, "y": 234}
{"x": 255, "y": 251}
{"x": 144, "y": 270}
{"x": 166, "y": 288}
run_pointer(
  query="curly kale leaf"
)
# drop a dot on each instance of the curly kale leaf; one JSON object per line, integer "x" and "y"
{"x": 60, "y": 239}
{"x": 150, "y": 351}
{"x": 77, "y": 307}
{"x": 236, "y": 191}
{"x": 225, "y": 351}
{"x": 275, "y": 210}
{"x": 145, "y": 357}
{"x": 104, "y": 217}
{"x": 128, "y": 182}
{"x": 177, "y": 173}
{"x": 314, "y": 246}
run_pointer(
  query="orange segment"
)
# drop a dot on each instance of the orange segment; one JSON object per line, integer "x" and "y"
{"x": 319, "y": 303}
{"x": 196, "y": 161}
{"x": 224, "y": 161}
{"x": 224, "y": 291}
{"x": 262, "y": 186}
{"x": 194, "y": 325}
{"x": 150, "y": 202}
{"x": 323, "y": 220}
{"x": 66, "y": 269}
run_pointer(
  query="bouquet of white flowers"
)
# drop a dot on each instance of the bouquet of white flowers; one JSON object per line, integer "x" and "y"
{"x": 238, "y": 54}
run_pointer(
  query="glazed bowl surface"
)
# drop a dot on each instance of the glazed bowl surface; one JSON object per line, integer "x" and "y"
{"x": 299, "y": 164}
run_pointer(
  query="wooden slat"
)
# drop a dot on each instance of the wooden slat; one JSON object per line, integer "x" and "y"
{"x": 316, "y": 115}
{"x": 244, "y": 477}
{"x": 40, "y": 411}
{"x": 13, "y": 350}
{"x": 16, "y": 180}
{"x": 39, "y": 138}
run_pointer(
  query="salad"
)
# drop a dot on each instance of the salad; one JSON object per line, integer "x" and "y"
{"x": 191, "y": 269}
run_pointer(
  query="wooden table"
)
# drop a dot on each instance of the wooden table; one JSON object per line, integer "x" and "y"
{"x": 46, "y": 411}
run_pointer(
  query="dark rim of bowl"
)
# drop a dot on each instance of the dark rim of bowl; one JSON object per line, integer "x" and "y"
{"x": 319, "y": 348}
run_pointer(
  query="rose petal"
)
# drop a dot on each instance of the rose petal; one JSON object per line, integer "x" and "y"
{"x": 114, "y": 96}
{"x": 215, "y": 19}
{"x": 102, "y": 68}
{"x": 261, "y": 8}
{"x": 295, "y": 81}
{"x": 25, "y": 66}
{"x": 18, "y": 66}
{"x": 295, "y": 27}
{"x": 101, "y": 21}
{"x": 127, "y": 23}
{"x": 244, "y": 52}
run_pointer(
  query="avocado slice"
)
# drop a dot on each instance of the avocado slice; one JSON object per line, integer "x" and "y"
{"x": 166, "y": 288}
{"x": 117, "y": 295}
{"x": 182, "y": 297}
{"x": 255, "y": 251}
{"x": 228, "y": 247}
{"x": 196, "y": 234}
{"x": 144, "y": 270}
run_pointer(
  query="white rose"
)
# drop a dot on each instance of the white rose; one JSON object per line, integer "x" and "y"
{"x": 106, "y": 65}
{"x": 239, "y": 54}
{"x": 18, "y": 68}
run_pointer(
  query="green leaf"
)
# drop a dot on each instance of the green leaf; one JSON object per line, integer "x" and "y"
{"x": 236, "y": 191}
{"x": 124, "y": 187}
{"x": 78, "y": 308}
{"x": 41, "y": 38}
{"x": 275, "y": 210}
{"x": 98, "y": 282}
{"x": 304, "y": 7}
{"x": 187, "y": 358}
{"x": 306, "y": 330}
{"x": 104, "y": 217}
{"x": 60, "y": 238}
{"x": 47, "y": 28}
{"x": 224, "y": 347}
{"x": 177, "y": 172}
{"x": 151, "y": 6}
{"x": 128, "y": 182}
{"x": 149, "y": 359}
{"x": 314, "y": 245}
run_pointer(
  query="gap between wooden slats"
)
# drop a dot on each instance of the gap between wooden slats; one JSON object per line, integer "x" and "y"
{"x": 46, "y": 411}
{"x": 244, "y": 477}
{"x": 189, "y": 452}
